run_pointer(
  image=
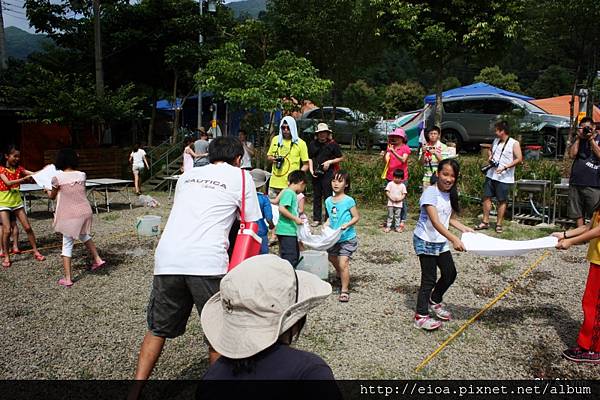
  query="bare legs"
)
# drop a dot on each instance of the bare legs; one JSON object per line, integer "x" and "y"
{"x": 342, "y": 267}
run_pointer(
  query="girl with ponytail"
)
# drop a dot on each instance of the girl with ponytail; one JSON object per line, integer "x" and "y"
{"x": 439, "y": 208}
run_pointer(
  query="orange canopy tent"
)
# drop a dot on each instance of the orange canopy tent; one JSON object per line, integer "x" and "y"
{"x": 560, "y": 106}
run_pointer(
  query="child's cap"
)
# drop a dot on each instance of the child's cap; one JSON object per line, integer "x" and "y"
{"x": 260, "y": 177}
{"x": 398, "y": 132}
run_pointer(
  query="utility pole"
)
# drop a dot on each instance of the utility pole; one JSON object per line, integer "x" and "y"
{"x": 2, "y": 41}
{"x": 200, "y": 41}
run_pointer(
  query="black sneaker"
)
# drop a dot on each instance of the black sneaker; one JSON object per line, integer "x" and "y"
{"x": 579, "y": 355}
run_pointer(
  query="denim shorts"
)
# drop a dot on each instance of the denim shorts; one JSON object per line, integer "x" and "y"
{"x": 423, "y": 247}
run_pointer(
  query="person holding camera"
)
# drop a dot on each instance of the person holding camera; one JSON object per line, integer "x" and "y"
{"x": 324, "y": 158}
{"x": 288, "y": 153}
{"x": 584, "y": 182}
{"x": 504, "y": 155}
{"x": 430, "y": 154}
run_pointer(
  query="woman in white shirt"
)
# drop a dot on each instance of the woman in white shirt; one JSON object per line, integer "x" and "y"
{"x": 138, "y": 160}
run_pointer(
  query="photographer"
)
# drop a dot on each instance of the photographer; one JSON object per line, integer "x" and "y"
{"x": 504, "y": 155}
{"x": 584, "y": 183}
{"x": 288, "y": 153}
{"x": 324, "y": 156}
{"x": 430, "y": 154}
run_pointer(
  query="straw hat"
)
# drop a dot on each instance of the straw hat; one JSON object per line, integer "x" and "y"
{"x": 398, "y": 132}
{"x": 259, "y": 300}
{"x": 322, "y": 127}
{"x": 260, "y": 177}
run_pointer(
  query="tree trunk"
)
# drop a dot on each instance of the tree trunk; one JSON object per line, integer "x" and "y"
{"x": 98, "y": 51}
{"x": 175, "y": 110}
{"x": 2, "y": 42}
{"x": 152, "y": 118}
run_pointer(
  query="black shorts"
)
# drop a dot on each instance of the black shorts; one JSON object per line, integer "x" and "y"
{"x": 499, "y": 190}
{"x": 172, "y": 299}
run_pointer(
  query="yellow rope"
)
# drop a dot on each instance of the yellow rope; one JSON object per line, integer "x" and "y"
{"x": 483, "y": 310}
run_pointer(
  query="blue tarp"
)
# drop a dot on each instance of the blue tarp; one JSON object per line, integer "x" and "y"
{"x": 167, "y": 105}
{"x": 476, "y": 89}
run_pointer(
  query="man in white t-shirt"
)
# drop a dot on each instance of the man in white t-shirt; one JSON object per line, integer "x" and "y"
{"x": 504, "y": 155}
{"x": 191, "y": 257}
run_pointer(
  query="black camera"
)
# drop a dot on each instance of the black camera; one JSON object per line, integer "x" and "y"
{"x": 279, "y": 162}
{"x": 490, "y": 164}
{"x": 320, "y": 171}
{"x": 587, "y": 131}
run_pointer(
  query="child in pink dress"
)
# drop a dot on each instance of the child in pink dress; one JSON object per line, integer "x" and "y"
{"x": 73, "y": 215}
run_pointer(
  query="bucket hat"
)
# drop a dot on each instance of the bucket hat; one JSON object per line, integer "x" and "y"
{"x": 398, "y": 132}
{"x": 260, "y": 177}
{"x": 322, "y": 127}
{"x": 259, "y": 300}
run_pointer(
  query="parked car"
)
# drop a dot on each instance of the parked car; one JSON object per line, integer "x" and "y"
{"x": 347, "y": 123}
{"x": 470, "y": 120}
{"x": 410, "y": 122}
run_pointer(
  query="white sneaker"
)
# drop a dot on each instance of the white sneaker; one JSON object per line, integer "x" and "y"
{"x": 427, "y": 323}
{"x": 439, "y": 310}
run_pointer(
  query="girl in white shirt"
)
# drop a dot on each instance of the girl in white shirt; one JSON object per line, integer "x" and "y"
{"x": 137, "y": 159}
{"x": 439, "y": 206}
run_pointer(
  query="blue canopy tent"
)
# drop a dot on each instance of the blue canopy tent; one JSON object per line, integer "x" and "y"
{"x": 476, "y": 89}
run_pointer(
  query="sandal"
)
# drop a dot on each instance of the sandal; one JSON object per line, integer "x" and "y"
{"x": 387, "y": 230}
{"x": 15, "y": 251}
{"x": 64, "y": 282}
{"x": 400, "y": 229}
{"x": 499, "y": 229}
{"x": 482, "y": 226}
{"x": 98, "y": 266}
{"x": 6, "y": 263}
{"x": 39, "y": 257}
{"x": 344, "y": 297}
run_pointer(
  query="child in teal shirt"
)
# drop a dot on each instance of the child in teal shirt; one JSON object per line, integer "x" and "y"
{"x": 342, "y": 213}
{"x": 286, "y": 229}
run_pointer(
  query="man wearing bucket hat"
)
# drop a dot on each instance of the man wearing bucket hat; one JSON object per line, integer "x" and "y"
{"x": 251, "y": 322}
{"x": 396, "y": 157}
{"x": 260, "y": 178}
{"x": 191, "y": 256}
{"x": 324, "y": 158}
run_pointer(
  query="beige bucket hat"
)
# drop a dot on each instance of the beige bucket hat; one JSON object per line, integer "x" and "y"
{"x": 322, "y": 127}
{"x": 259, "y": 300}
{"x": 260, "y": 177}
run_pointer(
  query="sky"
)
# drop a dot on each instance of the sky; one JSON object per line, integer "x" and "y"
{"x": 14, "y": 14}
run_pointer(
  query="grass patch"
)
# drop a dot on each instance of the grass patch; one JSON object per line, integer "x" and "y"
{"x": 498, "y": 269}
{"x": 111, "y": 217}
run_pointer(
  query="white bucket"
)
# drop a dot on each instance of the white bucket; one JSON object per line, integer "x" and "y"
{"x": 148, "y": 225}
{"x": 315, "y": 262}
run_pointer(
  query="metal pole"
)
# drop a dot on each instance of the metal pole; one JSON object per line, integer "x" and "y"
{"x": 200, "y": 41}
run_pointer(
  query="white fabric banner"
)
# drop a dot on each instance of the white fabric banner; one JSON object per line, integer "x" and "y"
{"x": 325, "y": 240}
{"x": 485, "y": 245}
{"x": 45, "y": 175}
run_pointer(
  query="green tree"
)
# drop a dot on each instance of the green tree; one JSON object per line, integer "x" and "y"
{"x": 495, "y": 77}
{"x": 440, "y": 32}
{"x": 553, "y": 81}
{"x": 403, "y": 96}
{"x": 282, "y": 82}
{"x": 359, "y": 96}
{"x": 451, "y": 82}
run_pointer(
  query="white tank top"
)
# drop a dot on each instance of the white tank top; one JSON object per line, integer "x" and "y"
{"x": 503, "y": 155}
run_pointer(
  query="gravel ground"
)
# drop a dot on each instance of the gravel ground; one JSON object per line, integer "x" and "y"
{"x": 94, "y": 329}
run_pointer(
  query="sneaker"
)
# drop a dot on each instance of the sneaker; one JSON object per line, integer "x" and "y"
{"x": 579, "y": 355}
{"x": 427, "y": 323}
{"x": 439, "y": 310}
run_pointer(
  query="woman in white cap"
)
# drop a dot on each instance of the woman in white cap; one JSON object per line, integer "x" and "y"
{"x": 252, "y": 321}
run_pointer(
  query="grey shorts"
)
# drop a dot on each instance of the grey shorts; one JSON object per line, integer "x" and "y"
{"x": 345, "y": 248}
{"x": 499, "y": 190}
{"x": 172, "y": 299}
{"x": 583, "y": 201}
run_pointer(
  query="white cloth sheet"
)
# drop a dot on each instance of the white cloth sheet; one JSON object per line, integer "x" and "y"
{"x": 325, "y": 240}
{"x": 45, "y": 175}
{"x": 485, "y": 245}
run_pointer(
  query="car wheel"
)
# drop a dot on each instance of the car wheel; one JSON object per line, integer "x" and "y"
{"x": 552, "y": 145}
{"x": 361, "y": 142}
{"x": 452, "y": 136}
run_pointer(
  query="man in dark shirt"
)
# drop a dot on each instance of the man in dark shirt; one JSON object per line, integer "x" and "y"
{"x": 584, "y": 183}
{"x": 324, "y": 156}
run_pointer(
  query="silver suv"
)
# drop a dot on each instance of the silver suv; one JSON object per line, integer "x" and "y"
{"x": 347, "y": 123}
{"x": 470, "y": 120}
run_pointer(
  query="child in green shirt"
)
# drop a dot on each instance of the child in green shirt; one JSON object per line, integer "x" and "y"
{"x": 286, "y": 229}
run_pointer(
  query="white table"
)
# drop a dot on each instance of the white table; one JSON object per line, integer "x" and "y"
{"x": 27, "y": 190}
{"x": 104, "y": 186}
{"x": 172, "y": 180}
